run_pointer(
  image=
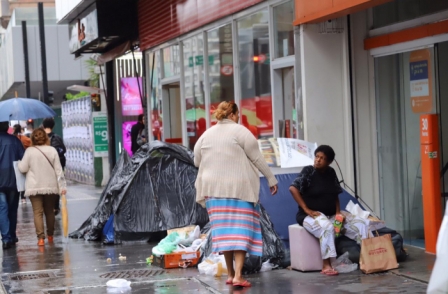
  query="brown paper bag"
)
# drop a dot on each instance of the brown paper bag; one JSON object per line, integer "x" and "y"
{"x": 377, "y": 255}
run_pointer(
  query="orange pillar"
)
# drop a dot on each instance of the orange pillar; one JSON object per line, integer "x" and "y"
{"x": 432, "y": 206}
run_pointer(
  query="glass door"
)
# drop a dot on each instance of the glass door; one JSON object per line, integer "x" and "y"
{"x": 172, "y": 122}
{"x": 399, "y": 142}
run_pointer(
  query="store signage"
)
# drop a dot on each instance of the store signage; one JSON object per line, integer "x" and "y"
{"x": 131, "y": 103}
{"x": 100, "y": 134}
{"x": 199, "y": 60}
{"x": 420, "y": 81}
{"x": 83, "y": 31}
{"x": 227, "y": 70}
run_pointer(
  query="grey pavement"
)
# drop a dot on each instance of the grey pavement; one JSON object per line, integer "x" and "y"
{"x": 78, "y": 266}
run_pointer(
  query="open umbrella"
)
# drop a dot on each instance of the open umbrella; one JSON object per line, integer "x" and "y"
{"x": 23, "y": 109}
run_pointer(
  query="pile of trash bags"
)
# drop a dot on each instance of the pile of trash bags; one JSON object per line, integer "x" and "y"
{"x": 149, "y": 193}
{"x": 179, "y": 242}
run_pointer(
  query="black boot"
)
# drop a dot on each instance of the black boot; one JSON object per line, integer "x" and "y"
{"x": 6, "y": 245}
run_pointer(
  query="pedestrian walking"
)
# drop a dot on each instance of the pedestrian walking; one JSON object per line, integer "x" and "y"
{"x": 228, "y": 185}
{"x": 26, "y": 142}
{"x": 58, "y": 143}
{"x": 11, "y": 150}
{"x": 44, "y": 182}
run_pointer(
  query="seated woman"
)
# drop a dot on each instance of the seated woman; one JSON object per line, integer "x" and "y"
{"x": 317, "y": 190}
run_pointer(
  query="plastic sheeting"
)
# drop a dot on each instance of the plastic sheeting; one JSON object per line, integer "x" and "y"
{"x": 273, "y": 248}
{"x": 152, "y": 192}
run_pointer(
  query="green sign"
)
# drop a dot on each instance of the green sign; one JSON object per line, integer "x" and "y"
{"x": 100, "y": 134}
{"x": 199, "y": 60}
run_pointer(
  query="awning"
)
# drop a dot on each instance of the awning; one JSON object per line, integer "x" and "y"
{"x": 312, "y": 11}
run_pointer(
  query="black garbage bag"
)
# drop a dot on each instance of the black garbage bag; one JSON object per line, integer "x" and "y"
{"x": 154, "y": 193}
{"x": 273, "y": 248}
{"x": 344, "y": 244}
{"x": 92, "y": 228}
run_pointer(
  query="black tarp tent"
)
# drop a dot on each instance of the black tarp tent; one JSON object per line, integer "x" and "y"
{"x": 150, "y": 192}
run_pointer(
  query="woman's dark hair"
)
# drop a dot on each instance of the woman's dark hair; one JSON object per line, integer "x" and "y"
{"x": 48, "y": 123}
{"x": 140, "y": 117}
{"x": 225, "y": 109}
{"x": 17, "y": 129}
{"x": 39, "y": 137}
{"x": 328, "y": 151}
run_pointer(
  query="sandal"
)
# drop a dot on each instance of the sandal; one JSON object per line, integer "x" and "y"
{"x": 245, "y": 283}
{"x": 329, "y": 272}
{"x": 229, "y": 281}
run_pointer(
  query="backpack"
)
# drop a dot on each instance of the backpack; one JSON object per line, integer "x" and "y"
{"x": 58, "y": 144}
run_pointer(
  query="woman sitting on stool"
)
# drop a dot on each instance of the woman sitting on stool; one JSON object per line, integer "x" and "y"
{"x": 317, "y": 190}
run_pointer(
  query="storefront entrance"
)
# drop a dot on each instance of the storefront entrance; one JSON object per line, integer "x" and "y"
{"x": 400, "y": 83}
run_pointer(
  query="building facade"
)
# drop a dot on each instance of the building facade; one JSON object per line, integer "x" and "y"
{"x": 356, "y": 74}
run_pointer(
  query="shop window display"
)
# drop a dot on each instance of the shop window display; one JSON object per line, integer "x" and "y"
{"x": 171, "y": 61}
{"x": 194, "y": 63}
{"x": 220, "y": 51}
{"x": 255, "y": 75}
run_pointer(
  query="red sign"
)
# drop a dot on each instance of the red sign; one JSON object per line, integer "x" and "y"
{"x": 262, "y": 58}
{"x": 160, "y": 21}
{"x": 227, "y": 70}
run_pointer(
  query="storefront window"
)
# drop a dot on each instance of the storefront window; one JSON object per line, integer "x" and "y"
{"x": 403, "y": 10}
{"x": 156, "y": 97}
{"x": 220, "y": 52}
{"x": 171, "y": 61}
{"x": 284, "y": 29}
{"x": 194, "y": 88}
{"x": 255, "y": 75}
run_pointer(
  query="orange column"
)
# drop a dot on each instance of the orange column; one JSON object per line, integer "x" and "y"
{"x": 432, "y": 207}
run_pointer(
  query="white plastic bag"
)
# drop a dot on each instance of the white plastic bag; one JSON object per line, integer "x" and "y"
{"x": 355, "y": 209}
{"x": 213, "y": 265}
{"x": 118, "y": 283}
{"x": 20, "y": 178}
{"x": 267, "y": 266}
{"x": 344, "y": 265}
{"x": 439, "y": 278}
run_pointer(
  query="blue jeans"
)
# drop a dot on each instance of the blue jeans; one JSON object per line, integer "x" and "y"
{"x": 9, "y": 203}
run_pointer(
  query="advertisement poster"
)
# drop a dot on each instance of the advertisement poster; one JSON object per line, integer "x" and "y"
{"x": 420, "y": 81}
{"x": 295, "y": 153}
{"x": 127, "y": 126}
{"x": 100, "y": 135}
{"x": 270, "y": 152}
{"x": 131, "y": 103}
{"x": 83, "y": 31}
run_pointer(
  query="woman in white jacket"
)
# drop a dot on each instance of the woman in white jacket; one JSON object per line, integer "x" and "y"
{"x": 44, "y": 182}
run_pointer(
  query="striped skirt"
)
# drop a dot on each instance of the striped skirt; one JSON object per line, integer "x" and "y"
{"x": 235, "y": 225}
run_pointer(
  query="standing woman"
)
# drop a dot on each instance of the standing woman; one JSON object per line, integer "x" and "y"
{"x": 228, "y": 185}
{"x": 44, "y": 182}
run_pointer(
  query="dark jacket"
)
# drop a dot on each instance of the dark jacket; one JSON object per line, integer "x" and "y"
{"x": 135, "y": 130}
{"x": 11, "y": 149}
{"x": 57, "y": 142}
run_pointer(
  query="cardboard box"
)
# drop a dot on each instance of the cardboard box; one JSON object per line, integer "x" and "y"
{"x": 177, "y": 260}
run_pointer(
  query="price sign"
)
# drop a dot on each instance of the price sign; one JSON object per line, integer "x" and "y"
{"x": 100, "y": 134}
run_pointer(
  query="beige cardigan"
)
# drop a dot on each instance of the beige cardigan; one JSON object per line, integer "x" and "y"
{"x": 229, "y": 159}
{"x": 40, "y": 176}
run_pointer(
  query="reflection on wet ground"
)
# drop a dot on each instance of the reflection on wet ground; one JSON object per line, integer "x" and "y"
{"x": 78, "y": 266}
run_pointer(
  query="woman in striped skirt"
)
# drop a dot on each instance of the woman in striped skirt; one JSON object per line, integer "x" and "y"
{"x": 228, "y": 185}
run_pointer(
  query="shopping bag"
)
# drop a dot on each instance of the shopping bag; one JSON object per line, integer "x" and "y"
{"x": 20, "y": 178}
{"x": 377, "y": 255}
{"x": 439, "y": 278}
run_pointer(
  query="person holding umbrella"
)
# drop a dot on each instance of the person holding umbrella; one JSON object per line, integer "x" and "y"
{"x": 44, "y": 182}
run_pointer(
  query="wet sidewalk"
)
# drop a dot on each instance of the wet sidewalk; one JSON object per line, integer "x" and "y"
{"x": 78, "y": 266}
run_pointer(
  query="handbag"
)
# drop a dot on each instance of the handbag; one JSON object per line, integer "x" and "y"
{"x": 20, "y": 178}
{"x": 377, "y": 254}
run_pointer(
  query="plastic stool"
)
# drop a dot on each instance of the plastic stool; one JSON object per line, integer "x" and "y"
{"x": 305, "y": 249}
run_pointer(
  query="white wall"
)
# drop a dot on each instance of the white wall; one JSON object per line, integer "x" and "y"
{"x": 365, "y": 113}
{"x": 61, "y": 65}
{"x": 63, "y": 7}
{"x": 326, "y": 94}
